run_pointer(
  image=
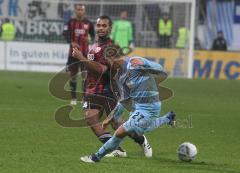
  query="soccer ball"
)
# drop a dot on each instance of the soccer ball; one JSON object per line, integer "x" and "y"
{"x": 187, "y": 151}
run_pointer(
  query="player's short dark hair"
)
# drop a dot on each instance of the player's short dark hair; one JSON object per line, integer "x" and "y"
{"x": 75, "y": 5}
{"x": 106, "y": 17}
{"x": 123, "y": 11}
{"x": 114, "y": 50}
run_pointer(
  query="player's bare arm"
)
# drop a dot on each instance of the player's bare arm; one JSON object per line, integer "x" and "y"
{"x": 92, "y": 66}
{"x": 107, "y": 121}
{"x": 78, "y": 54}
{"x": 136, "y": 62}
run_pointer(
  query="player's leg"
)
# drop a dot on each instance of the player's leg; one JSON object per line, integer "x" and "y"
{"x": 93, "y": 112}
{"x": 92, "y": 117}
{"x": 169, "y": 118}
{"x": 136, "y": 126}
{"x": 111, "y": 145}
{"x": 110, "y": 104}
{"x": 146, "y": 124}
{"x": 139, "y": 139}
{"x": 73, "y": 67}
{"x": 136, "y": 123}
{"x": 143, "y": 143}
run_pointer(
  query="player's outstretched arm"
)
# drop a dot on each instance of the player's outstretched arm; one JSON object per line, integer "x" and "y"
{"x": 153, "y": 66}
{"x": 146, "y": 65}
{"x": 114, "y": 115}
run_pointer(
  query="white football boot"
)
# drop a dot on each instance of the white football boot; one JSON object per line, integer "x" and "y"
{"x": 117, "y": 153}
{"x": 147, "y": 149}
{"x": 89, "y": 159}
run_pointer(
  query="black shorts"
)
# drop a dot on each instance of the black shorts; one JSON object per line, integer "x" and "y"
{"x": 102, "y": 103}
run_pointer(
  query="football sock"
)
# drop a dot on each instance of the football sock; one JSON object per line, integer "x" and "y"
{"x": 108, "y": 147}
{"x": 105, "y": 137}
{"x": 137, "y": 138}
{"x": 73, "y": 88}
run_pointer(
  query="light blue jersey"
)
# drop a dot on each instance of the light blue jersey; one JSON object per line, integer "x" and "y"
{"x": 139, "y": 89}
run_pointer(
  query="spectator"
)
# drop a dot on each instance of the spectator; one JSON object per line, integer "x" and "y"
{"x": 165, "y": 31}
{"x": 64, "y": 11}
{"x": 197, "y": 44}
{"x": 219, "y": 44}
{"x": 122, "y": 32}
{"x": 182, "y": 40}
{"x": 8, "y": 31}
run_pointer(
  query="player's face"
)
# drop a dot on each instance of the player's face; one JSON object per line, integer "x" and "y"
{"x": 80, "y": 11}
{"x": 165, "y": 17}
{"x": 102, "y": 27}
{"x": 124, "y": 15}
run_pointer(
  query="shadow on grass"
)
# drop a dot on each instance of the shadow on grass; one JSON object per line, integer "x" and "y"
{"x": 170, "y": 163}
{"x": 195, "y": 165}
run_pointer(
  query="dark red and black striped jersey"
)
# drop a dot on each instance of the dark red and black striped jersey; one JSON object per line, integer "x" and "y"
{"x": 77, "y": 31}
{"x": 98, "y": 84}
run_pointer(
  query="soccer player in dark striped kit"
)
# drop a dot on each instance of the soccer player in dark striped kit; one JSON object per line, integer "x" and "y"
{"x": 77, "y": 31}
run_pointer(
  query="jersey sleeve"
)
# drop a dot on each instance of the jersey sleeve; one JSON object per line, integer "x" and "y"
{"x": 118, "y": 111}
{"x": 122, "y": 105}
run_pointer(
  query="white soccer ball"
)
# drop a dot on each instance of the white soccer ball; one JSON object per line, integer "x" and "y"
{"x": 187, "y": 151}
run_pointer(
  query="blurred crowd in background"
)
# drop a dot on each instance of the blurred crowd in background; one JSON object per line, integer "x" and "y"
{"x": 155, "y": 25}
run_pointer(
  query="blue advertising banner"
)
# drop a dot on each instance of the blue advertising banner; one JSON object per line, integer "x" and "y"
{"x": 237, "y": 12}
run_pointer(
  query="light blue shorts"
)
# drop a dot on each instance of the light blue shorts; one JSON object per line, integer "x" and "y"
{"x": 140, "y": 122}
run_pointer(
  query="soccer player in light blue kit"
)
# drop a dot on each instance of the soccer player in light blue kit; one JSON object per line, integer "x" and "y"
{"x": 138, "y": 88}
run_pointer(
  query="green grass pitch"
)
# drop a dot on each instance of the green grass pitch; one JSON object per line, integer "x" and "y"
{"x": 32, "y": 142}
